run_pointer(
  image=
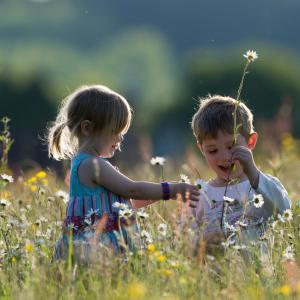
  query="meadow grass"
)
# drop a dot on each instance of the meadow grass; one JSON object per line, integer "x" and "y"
{"x": 165, "y": 265}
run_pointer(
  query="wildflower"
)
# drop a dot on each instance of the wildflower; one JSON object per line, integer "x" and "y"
{"x": 228, "y": 199}
{"x": 137, "y": 290}
{"x": 120, "y": 205}
{"x": 13, "y": 259}
{"x": 62, "y": 195}
{"x": 251, "y": 55}
{"x": 4, "y": 203}
{"x": 29, "y": 247}
{"x": 7, "y": 178}
{"x": 41, "y": 174}
{"x": 125, "y": 213}
{"x": 142, "y": 214}
{"x": 45, "y": 181}
{"x": 201, "y": 184}
{"x": 281, "y": 218}
{"x": 161, "y": 258}
{"x": 42, "y": 191}
{"x": 158, "y": 161}
{"x": 50, "y": 199}
{"x": 162, "y": 229}
{"x": 150, "y": 247}
{"x": 239, "y": 247}
{"x": 288, "y": 215}
{"x": 165, "y": 272}
{"x": 241, "y": 223}
{"x": 32, "y": 180}
{"x": 230, "y": 227}
{"x": 184, "y": 178}
{"x": 284, "y": 290}
{"x": 91, "y": 213}
{"x": 258, "y": 200}
{"x": 288, "y": 253}
{"x": 33, "y": 188}
{"x": 145, "y": 234}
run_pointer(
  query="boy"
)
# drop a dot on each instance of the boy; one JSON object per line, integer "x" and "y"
{"x": 240, "y": 195}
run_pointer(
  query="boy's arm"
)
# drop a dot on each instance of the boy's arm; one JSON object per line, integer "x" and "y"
{"x": 275, "y": 195}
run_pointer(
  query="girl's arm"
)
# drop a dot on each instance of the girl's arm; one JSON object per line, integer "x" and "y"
{"x": 101, "y": 172}
{"x": 141, "y": 203}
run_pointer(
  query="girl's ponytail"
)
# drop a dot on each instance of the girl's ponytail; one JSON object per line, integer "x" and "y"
{"x": 54, "y": 141}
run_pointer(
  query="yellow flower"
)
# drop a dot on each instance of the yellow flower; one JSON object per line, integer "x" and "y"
{"x": 165, "y": 272}
{"x": 32, "y": 179}
{"x": 33, "y": 188}
{"x": 29, "y": 247}
{"x": 161, "y": 258}
{"x": 285, "y": 290}
{"x": 45, "y": 181}
{"x": 150, "y": 247}
{"x": 14, "y": 260}
{"x": 41, "y": 174}
{"x": 137, "y": 290}
{"x": 5, "y": 194}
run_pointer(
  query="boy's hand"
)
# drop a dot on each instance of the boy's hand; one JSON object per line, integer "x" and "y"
{"x": 244, "y": 156}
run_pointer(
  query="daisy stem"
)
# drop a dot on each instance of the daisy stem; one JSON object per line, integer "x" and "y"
{"x": 235, "y": 125}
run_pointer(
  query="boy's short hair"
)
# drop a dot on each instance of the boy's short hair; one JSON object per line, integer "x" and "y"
{"x": 216, "y": 113}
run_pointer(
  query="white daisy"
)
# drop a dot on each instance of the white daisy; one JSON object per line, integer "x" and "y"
{"x": 288, "y": 253}
{"x": 241, "y": 223}
{"x": 142, "y": 214}
{"x": 120, "y": 205}
{"x": 7, "y": 178}
{"x": 184, "y": 178}
{"x": 4, "y": 203}
{"x": 162, "y": 229}
{"x": 230, "y": 227}
{"x": 239, "y": 247}
{"x": 281, "y": 218}
{"x": 145, "y": 235}
{"x": 288, "y": 215}
{"x": 201, "y": 184}
{"x": 258, "y": 200}
{"x": 251, "y": 55}
{"x": 125, "y": 213}
{"x": 228, "y": 199}
{"x": 158, "y": 161}
{"x": 62, "y": 195}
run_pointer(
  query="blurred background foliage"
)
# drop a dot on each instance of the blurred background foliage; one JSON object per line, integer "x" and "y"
{"x": 162, "y": 55}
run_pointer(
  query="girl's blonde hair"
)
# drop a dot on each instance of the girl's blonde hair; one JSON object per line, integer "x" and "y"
{"x": 105, "y": 109}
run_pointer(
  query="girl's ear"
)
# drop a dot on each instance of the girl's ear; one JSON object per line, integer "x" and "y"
{"x": 199, "y": 145}
{"x": 252, "y": 140}
{"x": 86, "y": 127}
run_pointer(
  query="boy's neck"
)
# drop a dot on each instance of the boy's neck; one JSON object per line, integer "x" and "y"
{"x": 220, "y": 182}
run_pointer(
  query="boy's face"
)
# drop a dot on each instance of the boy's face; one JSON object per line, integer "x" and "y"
{"x": 217, "y": 152}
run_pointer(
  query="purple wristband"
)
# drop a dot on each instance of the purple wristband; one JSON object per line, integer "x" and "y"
{"x": 165, "y": 190}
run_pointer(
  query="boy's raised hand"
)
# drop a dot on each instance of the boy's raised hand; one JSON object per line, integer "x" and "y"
{"x": 244, "y": 156}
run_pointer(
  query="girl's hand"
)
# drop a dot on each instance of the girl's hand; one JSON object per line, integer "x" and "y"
{"x": 244, "y": 156}
{"x": 185, "y": 190}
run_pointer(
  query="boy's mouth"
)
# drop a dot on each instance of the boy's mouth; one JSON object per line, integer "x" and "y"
{"x": 227, "y": 169}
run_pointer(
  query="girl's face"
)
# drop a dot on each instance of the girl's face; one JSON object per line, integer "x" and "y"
{"x": 217, "y": 152}
{"x": 107, "y": 142}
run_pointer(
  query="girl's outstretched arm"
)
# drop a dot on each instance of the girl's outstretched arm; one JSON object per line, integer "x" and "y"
{"x": 101, "y": 172}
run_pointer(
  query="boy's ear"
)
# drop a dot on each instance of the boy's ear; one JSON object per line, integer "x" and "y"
{"x": 252, "y": 140}
{"x": 86, "y": 127}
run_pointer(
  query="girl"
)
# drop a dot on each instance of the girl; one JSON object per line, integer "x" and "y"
{"x": 88, "y": 129}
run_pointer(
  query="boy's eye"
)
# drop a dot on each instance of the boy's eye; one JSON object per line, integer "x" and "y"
{"x": 212, "y": 151}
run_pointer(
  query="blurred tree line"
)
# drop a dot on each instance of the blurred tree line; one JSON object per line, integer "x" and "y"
{"x": 50, "y": 47}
